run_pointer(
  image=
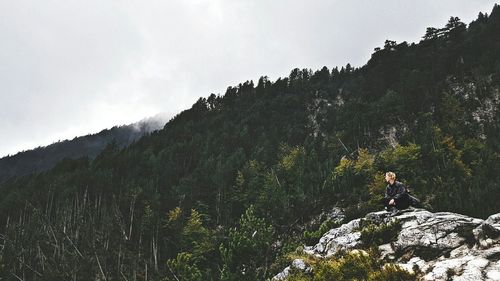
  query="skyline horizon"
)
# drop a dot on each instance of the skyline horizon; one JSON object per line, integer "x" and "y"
{"x": 143, "y": 92}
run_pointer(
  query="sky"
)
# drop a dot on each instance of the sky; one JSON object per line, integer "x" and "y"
{"x": 69, "y": 68}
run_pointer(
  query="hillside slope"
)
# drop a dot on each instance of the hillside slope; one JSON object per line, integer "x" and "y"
{"x": 229, "y": 187}
{"x": 43, "y": 158}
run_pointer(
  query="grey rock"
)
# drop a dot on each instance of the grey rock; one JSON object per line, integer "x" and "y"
{"x": 336, "y": 215}
{"x": 386, "y": 252}
{"x": 434, "y": 232}
{"x": 345, "y": 237}
{"x": 490, "y": 228}
{"x": 297, "y": 264}
{"x": 442, "y": 246}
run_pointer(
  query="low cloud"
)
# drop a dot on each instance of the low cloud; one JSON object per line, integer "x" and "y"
{"x": 69, "y": 68}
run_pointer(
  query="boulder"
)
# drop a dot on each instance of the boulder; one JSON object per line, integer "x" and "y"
{"x": 439, "y": 246}
{"x": 345, "y": 237}
{"x": 297, "y": 264}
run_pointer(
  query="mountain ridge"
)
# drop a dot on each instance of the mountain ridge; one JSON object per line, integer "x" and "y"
{"x": 45, "y": 157}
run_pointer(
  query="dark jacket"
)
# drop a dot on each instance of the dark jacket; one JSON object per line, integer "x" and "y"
{"x": 395, "y": 191}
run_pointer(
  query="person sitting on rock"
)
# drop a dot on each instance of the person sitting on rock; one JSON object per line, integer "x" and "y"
{"x": 396, "y": 196}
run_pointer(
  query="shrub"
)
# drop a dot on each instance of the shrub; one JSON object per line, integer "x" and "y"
{"x": 312, "y": 237}
{"x": 356, "y": 265}
{"x": 374, "y": 235}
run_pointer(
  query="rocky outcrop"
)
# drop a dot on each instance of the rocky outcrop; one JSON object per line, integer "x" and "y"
{"x": 297, "y": 264}
{"x": 437, "y": 246}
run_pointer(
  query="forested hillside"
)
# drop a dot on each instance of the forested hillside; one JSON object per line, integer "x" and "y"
{"x": 227, "y": 188}
{"x": 43, "y": 158}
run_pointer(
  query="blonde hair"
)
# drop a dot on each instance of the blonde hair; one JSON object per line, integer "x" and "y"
{"x": 391, "y": 175}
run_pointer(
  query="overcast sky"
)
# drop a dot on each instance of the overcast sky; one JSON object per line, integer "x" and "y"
{"x": 69, "y": 68}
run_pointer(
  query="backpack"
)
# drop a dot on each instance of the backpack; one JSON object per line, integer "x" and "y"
{"x": 414, "y": 202}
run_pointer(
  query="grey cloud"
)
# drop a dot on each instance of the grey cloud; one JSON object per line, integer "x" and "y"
{"x": 74, "y": 67}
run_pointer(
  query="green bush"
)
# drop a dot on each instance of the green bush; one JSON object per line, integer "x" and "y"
{"x": 312, "y": 237}
{"x": 356, "y": 265}
{"x": 374, "y": 235}
{"x": 183, "y": 268}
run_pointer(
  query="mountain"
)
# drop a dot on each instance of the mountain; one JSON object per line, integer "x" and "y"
{"x": 43, "y": 158}
{"x": 231, "y": 187}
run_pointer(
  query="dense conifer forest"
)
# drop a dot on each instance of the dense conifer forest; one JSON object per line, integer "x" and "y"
{"x": 43, "y": 158}
{"x": 228, "y": 188}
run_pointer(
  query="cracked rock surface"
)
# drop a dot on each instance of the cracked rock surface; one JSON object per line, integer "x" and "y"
{"x": 439, "y": 246}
